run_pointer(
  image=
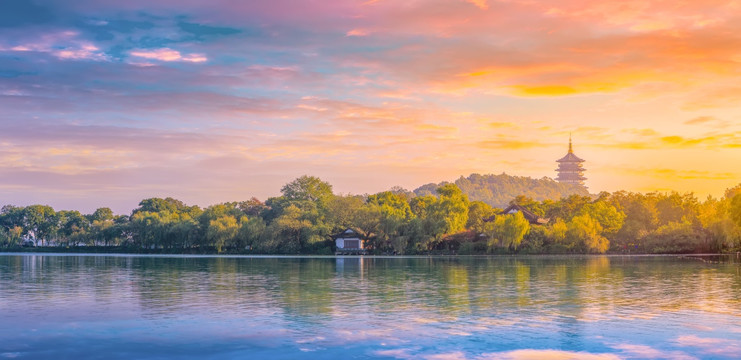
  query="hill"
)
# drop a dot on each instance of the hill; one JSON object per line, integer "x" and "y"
{"x": 499, "y": 190}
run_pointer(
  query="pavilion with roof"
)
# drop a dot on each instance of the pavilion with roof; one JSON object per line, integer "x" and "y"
{"x": 570, "y": 169}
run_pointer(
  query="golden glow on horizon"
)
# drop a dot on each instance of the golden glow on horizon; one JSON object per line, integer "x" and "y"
{"x": 373, "y": 94}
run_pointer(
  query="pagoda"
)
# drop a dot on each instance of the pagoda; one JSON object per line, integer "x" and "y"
{"x": 570, "y": 168}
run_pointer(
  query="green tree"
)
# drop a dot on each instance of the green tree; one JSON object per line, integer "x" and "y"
{"x": 343, "y": 211}
{"x": 423, "y": 206}
{"x": 41, "y": 220}
{"x": 391, "y": 211}
{"x": 15, "y": 234}
{"x": 251, "y": 231}
{"x": 452, "y": 207}
{"x": 586, "y": 232}
{"x": 735, "y": 209}
{"x": 74, "y": 228}
{"x": 730, "y": 193}
{"x": 12, "y": 216}
{"x": 674, "y": 237}
{"x": 308, "y": 188}
{"x": 160, "y": 205}
{"x": 252, "y": 207}
{"x": 557, "y": 232}
{"x": 608, "y": 216}
{"x": 289, "y": 233}
{"x": 673, "y": 207}
{"x": 222, "y": 231}
{"x": 102, "y": 214}
{"x": 641, "y": 217}
{"x": 535, "y": 207}
{"x": 507, "y": 230}
{"x": 568, "y": 207}
{"x": 436, "y": 217}
{"x": 478, "y": 213}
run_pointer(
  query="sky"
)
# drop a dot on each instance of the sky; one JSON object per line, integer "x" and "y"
{"x": 105, "y": 103}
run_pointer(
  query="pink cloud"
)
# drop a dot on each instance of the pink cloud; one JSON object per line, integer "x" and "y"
{"x": 86, "y": 51}
{"x": 64, "y": 45}
{"x": 167, "y": 54}
{"x": 357, "y": 32}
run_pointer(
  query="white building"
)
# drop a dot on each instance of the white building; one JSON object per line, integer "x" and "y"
{"x": 349, "y": 241}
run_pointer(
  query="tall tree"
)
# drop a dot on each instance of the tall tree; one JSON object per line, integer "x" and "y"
{"x": 222, "y": 231}
{"x": 478, "y": 213}
{"x": 585, "y": 231}
{"x": 393, "y": 211}
{"x": 41, "y": 220}
{"x": 453, "y": 207}
{"x": 507, "y": 230}
{"x": 307, "y": 188}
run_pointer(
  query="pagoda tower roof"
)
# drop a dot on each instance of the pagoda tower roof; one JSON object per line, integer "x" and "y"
{"x": 570, "y": 156}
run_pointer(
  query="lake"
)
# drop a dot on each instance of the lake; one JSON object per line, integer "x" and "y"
{"x": 156, "y": 307}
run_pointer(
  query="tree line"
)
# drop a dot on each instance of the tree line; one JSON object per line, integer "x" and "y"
{"x": 307, "y": 214}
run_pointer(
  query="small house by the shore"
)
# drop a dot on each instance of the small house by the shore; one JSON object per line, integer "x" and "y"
{"x": 349, "y": 242}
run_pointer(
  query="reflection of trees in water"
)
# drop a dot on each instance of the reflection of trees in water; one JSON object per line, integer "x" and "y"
{"x": 563, "y": 292}
{"x": 69, "y": 286}
{"x": 238, "y": 287}
{"x": 306, "y": 287}
{"x": 458, "y": 294}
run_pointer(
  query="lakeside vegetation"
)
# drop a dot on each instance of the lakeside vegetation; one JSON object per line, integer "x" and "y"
{"x": 305, "y": 217}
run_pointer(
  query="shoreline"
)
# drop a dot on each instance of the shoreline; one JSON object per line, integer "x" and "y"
{"x": 185, "y": 255}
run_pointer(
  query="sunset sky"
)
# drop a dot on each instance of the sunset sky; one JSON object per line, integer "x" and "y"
{"x": 104, "y": 103}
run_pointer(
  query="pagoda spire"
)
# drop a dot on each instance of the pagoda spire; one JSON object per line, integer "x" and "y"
{"x": 571, "y": 150}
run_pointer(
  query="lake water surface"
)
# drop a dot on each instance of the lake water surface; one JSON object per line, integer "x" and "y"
{"x": 154, "y": 307}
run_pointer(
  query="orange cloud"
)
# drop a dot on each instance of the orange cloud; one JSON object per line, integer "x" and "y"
{"x": 641, "y": 132}
{"x": 481, "y": 4}
{"x": 729, "y": 140}
{"x": 716, "y": 98}
{"x": 700, "y": 120}
{"x": 501, "y": 124}
{"x": 544, "y": 90}
{"x": 509, "y": 144}
{"x": 668, "y": 174}
{"x": 560, "y": 48}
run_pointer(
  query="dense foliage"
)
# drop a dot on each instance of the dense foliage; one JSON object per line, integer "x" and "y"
{"x": 305, "y": 217}
{"x": 499, "y": 190}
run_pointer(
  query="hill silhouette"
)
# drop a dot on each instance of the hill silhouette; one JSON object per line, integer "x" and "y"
{"x": 499, "y": 190}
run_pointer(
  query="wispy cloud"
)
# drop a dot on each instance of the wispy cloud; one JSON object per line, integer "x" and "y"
{"x": 66, "y": 45}
{"x": 509, "y": 144}
{"x": 413, "y": 90}
{"x": 700, "y": 120}
{"x": 166, "y": 54}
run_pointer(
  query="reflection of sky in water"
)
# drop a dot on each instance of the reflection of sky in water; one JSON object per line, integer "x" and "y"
{"x": 403, "y": 308}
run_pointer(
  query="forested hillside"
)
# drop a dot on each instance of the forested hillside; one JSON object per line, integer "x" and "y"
{"x": 499, "y": 190}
